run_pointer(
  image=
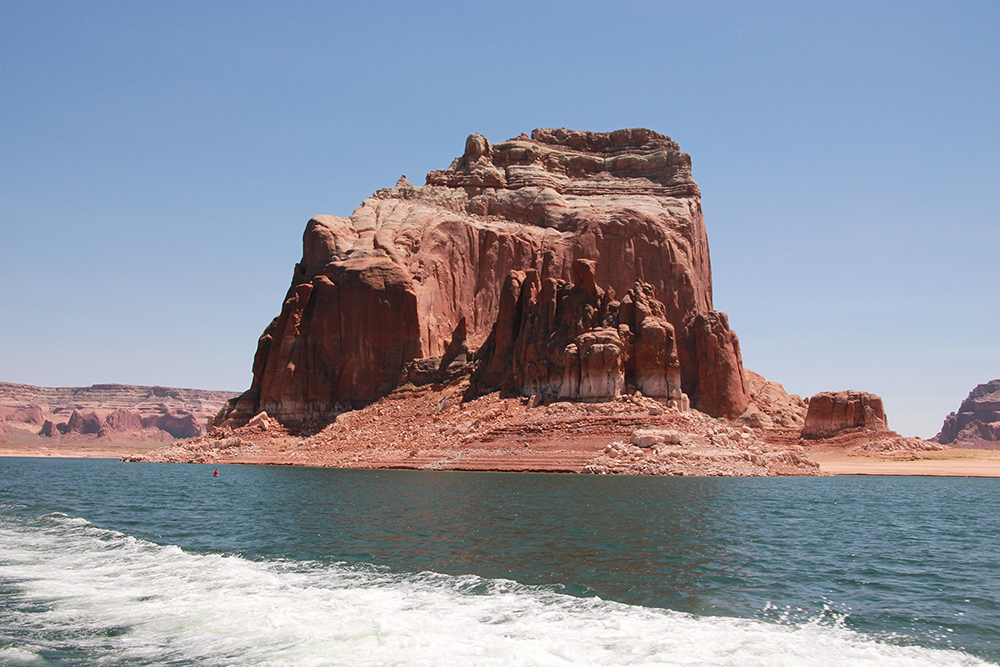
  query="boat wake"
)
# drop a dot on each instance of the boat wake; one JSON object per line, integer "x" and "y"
{"x": 73, "y": 593}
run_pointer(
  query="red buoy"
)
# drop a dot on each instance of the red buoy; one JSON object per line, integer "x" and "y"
{"x": 215, "y": 474}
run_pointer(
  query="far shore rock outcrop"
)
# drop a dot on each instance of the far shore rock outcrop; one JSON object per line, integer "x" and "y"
{"x": 977, "y": 422}
{"x": 109, "y": 411}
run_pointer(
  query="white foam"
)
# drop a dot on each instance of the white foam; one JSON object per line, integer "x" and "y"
{"x": 121, "y": 599}
{"x": 18, "y": 656}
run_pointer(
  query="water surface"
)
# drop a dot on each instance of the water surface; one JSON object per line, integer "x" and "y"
{"x": 148, "y": 564}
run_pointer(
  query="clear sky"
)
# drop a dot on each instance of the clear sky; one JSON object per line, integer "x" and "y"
{"x": 159, "y": 161}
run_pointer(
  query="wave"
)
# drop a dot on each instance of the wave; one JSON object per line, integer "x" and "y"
{"x": 73, "y": 593}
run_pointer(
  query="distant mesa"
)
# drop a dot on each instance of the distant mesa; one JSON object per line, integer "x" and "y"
{"x": 110, "y": 411}
{"x": 977, "y": 422}
{"x": 564, "y": 265}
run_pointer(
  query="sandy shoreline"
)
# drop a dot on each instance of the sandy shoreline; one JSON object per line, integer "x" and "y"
{"x": 75, "y": 451}
{"x": 946, "y": 463}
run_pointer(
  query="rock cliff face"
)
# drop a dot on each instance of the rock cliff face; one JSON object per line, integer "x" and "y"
{"x": 416, "y": 278}
{"x": 832, "y": 412}
{"x": 977, "y": 423}
{"x": 109, "y": 410}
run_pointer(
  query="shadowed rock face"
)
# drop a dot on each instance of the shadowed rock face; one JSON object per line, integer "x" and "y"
{"x": 574, "y": 341}
{"x": 977, "y": 422}
{"x": 415, "y": 271}
{"x": 832, "y": 412}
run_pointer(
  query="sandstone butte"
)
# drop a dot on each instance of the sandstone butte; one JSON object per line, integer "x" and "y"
{"x": 567, "y": 265}
{"x": 544, "y": 303}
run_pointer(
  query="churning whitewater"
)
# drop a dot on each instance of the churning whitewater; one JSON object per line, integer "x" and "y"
{"x": 73, "y": 593}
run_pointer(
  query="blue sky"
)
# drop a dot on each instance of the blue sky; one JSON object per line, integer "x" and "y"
{"x": 158, "y": 163}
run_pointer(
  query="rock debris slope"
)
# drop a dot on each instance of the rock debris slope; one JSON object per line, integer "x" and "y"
{"x": 564, "y": 265}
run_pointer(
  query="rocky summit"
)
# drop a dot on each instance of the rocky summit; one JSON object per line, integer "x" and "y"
{"x": 566, "y": 265}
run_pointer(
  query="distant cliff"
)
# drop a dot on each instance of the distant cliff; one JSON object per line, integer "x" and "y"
{"x": 116, "y": 411}
{"x": 977, "y": 422}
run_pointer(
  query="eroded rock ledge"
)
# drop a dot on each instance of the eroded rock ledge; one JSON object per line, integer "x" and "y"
{"x": 433, "y": 428}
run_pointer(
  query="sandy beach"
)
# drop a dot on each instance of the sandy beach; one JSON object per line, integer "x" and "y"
{"x": 94, "y": 450}
{"x": 946, "y": 463}
{"x": 954, "y": 462}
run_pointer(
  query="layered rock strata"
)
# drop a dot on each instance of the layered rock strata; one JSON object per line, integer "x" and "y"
{"x": 977, "y": 422}
{"x": 830, "y": 413}
{"x": 420, "y": 274}
{"x": 109, "y": 410}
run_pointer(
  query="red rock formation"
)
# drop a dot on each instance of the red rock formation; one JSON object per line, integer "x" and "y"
{"x": 977, "y": 422}
{"x": 379, "y": 294}
{"x": 31, "y": 413}
{"x": 771, "y": 406}
{"x": 832, "y": 412}
{"x": 179, "y": 424}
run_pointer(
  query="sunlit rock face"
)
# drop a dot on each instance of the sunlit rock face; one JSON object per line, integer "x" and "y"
{"x": 415, "y": 273}
{"x": 832, "y": 412}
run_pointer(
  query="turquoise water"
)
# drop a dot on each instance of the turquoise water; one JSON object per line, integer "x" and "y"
{"x": 109, "y": 563}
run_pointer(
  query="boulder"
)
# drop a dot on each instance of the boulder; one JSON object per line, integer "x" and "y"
{"x": 831, "y": 412}
{"x": 418, "y": 277}
{"x": 977, "y": 422}
{"x": 646, "y": 438}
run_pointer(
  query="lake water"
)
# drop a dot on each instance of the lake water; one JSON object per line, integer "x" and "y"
{"x": 108, "y": 563}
